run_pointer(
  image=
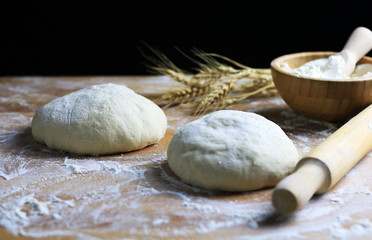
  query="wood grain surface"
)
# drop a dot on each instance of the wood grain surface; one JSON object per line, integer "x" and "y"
{"x": 49, "y": 194}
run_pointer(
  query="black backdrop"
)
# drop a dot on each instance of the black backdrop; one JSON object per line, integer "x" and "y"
{"x": 104, "y": 38}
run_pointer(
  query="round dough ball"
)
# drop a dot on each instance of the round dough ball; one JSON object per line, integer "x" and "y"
{"x": 232, "y": 151}
{"x": 100, "y": 119}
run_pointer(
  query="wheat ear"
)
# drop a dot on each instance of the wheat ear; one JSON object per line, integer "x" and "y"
{"x": 213, "y": 82}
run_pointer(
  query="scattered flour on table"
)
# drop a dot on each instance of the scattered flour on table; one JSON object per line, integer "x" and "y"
{"x": 89, "y": 197}
{"x": 14, "y": 216}
{"x": 90, "y": 165}
{"x": 346, "y": 228}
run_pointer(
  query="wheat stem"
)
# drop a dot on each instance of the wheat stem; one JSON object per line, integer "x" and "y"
{"x": 217, "y": 93}
{"x": 213, "y": 82}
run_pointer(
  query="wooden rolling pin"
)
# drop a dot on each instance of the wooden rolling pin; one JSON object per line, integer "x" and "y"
{"x": 326, "y": 164}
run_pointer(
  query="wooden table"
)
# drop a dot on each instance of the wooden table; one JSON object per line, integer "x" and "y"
{"x": 48, "y": 194}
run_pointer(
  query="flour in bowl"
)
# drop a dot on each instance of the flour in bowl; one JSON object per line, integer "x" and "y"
{"x": 328, "y": 68}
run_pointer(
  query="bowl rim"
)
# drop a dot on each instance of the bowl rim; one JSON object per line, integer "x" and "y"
{"x": 275, "y": 64}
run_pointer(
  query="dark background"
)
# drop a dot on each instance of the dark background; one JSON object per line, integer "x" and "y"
{"x": 105, "y": 38}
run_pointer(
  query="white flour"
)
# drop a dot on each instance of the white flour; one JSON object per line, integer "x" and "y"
{"x": 86, "y": 192}
{"x": 48, "y": 193}
{"x": 328, "y": 68}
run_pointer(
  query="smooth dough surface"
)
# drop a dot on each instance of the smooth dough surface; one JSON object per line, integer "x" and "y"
{"x": 100, "y": 119}
{"x": 232, "y": 151}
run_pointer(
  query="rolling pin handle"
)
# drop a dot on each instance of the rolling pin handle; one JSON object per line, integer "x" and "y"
{"x": 294, "y": 191}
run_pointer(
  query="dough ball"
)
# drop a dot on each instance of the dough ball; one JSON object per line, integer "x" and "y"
{"x": 101, "y": 119}
{"x": 232, "y": 151}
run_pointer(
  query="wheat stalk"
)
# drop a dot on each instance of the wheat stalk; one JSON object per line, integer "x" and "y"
{"x": 217, "y": 94}
{"x": 185, "y": 95}
{"x": 214, "y": 81}
{"x": 243, "y": 96}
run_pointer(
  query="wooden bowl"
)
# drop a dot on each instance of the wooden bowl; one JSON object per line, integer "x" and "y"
{"x": 329, "y": 100}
